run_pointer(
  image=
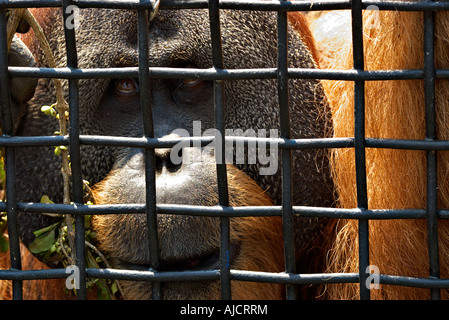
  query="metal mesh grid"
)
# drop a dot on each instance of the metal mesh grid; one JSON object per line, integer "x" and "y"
{"x": 218, "y": 74}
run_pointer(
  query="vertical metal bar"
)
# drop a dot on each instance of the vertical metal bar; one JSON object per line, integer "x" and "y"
{"x": 359, "y": 137}
{"x": 222, "y": 179}
{"x": 286, "y": 155}
{"x": 150, "y": 163}
{"x": 75, "y": 152}
{"x": 10, "y": 172}
{"x": 432, "y": 202}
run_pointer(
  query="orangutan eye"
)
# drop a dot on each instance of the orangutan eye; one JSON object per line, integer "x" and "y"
{"x": 190, "y": 84}
{"x": 189, "y": 91}
{"x": 126, "y": 86}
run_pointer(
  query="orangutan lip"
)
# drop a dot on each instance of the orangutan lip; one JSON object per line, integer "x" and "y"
{"x": 210, "y": 261}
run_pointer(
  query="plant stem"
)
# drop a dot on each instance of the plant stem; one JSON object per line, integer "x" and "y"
{"x": 15, "y": 16}
{"x": 62, "y": 109}
{"x": 106, "y": 262}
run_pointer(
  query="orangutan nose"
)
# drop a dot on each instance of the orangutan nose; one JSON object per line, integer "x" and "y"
{"x": 167, "y": 158}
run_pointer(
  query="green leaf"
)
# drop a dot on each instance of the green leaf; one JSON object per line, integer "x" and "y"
{"x": 46, "y": 109}
{"x": 4, "y": 244}
{"x": 103, "y": 292}
{"x": 91, "y": 263}
{"x": 87, "y": 225}
{"x": 114, "y": 287}
{"x": 43, "y": 242}
{"x": 40, "y": 232}
{"x": 2, "y": 169}
{"x": 53, "y": 248}
{"x": 46, "y": 199}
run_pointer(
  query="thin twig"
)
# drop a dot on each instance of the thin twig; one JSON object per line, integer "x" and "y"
{"x": 15, "y": 16}
{"x": 61, "y": 108}
{"x": 106, "y": 262}
{"x": 69, "y": 258}
{"x": 53, "y": 215}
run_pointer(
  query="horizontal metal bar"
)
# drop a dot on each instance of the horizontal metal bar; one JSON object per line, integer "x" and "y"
{"x": 233, "y": 4}
{"x": 219, "y": 211}
{"x": 289, "y": 278}
{"x": 116, "y": 141}
{"x": 353, "y": 75}
{"x": 205, "y": 140}
{"x": 143, "y": 142}
{"x": 212, "y": 211}
{"x": 407, "y": 5}
{"x": 155, "y": 72}
{"x": 182, "y": 4}
{"x": 358, "y": 213}
{"x": 222, "y": 74}
{"x": 223, "y": 4}
{"x": 14, "y": 274}
{"x": 238, "y": 275}
{"x": 407, "y": 144}
{"x": 329, "y": 278}
{"x": 20, "y": 141}
{"x": 58, "y": 208}
{"x": 140, "y": 275}
{"x": 60, "y": 273}
{"x": 437, "y": 283}
{"x": 197, "y": 275}
{"x": 296, "y": 144}
{"x": 69, "y": 73}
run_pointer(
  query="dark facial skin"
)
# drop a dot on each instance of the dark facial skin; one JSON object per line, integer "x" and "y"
{"x": 108, "y": 38}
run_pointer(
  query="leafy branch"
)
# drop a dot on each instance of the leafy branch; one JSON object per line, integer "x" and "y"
{"x": 61, "y": 106}
{"x": 57, "y": 241}
{"x": 51, "y": 244}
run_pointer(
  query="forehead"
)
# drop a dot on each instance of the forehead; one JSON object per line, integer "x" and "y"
{"x": 106, "y": 23}
{"x": 248, "y": 38}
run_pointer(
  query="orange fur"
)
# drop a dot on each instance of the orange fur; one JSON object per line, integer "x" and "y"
{"x": 299, "y": 23}
{"x": 396, "y": 178}
{"x": 262, "y": 241}
{"x": 260, "y": 237}
{"x": 42, "y": 15}
{"x": 51, "y": 289}
{"x": 262, "y": 246}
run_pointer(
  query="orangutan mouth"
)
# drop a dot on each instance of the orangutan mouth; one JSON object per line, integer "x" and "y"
{"x": 209, "y": 261}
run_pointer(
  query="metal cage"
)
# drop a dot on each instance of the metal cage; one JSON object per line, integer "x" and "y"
{"x": 218, "y": 74}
